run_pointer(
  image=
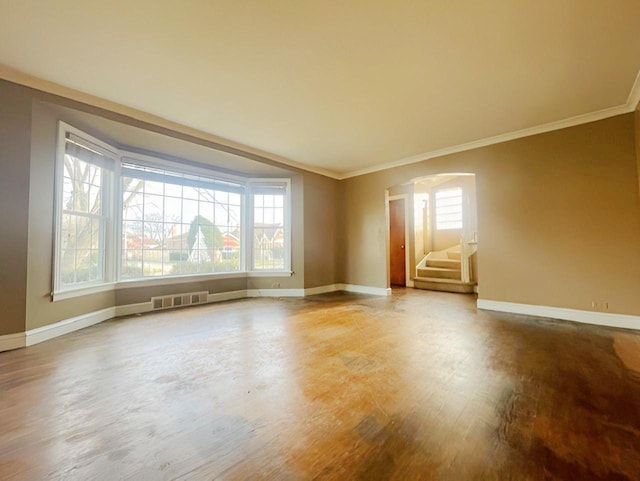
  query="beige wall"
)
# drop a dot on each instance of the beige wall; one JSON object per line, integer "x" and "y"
{"x": 40, "y": 310}
{"x": 15, "y": 119}
{"x": 637, "y": 122}
{"x": 320, "y": 232}
{"x": 543, "y": 239}
{"x": 558, "y": 217}
{"x": 28, "y": 126}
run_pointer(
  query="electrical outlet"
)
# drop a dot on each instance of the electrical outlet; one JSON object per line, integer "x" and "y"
{"x": 599, "y": 305}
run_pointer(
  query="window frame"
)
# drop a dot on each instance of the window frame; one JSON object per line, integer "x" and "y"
{"x": 107, "y": 206}
{"x": 435, "y": 208}
{"x": 112, "y": 203}
{"x": 160, "y": 163}
{"x": 252, "y": 185}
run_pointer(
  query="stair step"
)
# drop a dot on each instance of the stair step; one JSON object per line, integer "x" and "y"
{"x": 443, "y": 285}
{"x": 454, "y": 255}
{"x": 439, "y": 273}
{"x": 448, "y": 263}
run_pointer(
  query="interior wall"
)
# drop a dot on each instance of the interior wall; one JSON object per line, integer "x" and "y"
{"x": 28, "y": 129}
{"x": 15, "y": 120}
{"x": 40, "y": 311}
{"x": 637, "y": 123}
{"x": 558, "y": 217}
{"x": 320, "y": 231}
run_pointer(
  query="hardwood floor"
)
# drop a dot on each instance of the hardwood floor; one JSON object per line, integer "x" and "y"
{"x": 340, "y": 386}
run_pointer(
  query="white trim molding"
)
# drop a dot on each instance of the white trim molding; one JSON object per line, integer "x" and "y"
{"x": 129, "y": 309}
{"x": 608, "y": 319}
{"x": 314, "y": 291}
{"x": 40, "y": 334}
{"x": 275, "y": 293}
{"x": 374, "y": 291}
{"x": 629, "y": 106}
{"x": 226, "y": 296}
{"x": 28, "y": 80}
{"x": 408, "y": 213}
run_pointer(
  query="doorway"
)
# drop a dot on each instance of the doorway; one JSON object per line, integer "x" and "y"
{"x": 397, "y": 242}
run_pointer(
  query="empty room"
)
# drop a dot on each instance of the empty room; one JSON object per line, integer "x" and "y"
{"x": 320, "y": 240}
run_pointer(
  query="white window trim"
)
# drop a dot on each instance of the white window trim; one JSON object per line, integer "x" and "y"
{"x": 267, "y": 181}
{"x": 113, "y": 238}
{"x": 108, "y": 271}
{"x": 435, "y": 209}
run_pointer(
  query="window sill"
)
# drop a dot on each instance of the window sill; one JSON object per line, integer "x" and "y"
{"x": 161, "y": 281}
{"x": 269, "y": 274}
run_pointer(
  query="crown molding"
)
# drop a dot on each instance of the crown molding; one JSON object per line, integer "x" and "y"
{"x": 632, "y": 102}
{"x": 16, "y": 76}
{"x": 634, "y": 96}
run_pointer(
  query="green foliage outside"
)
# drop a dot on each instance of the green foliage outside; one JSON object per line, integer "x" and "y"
{"x": 212, "y": 235}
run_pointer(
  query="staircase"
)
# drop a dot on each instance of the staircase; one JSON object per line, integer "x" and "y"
{"x": 442, "y": 271}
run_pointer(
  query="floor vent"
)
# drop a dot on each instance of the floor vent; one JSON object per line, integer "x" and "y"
{"x": 179, "y": 300}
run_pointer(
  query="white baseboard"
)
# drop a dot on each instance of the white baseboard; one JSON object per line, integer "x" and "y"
{"x": 275, "y": 292}
{"x": 40, "y": 334}
{"x": 313, "y": 291}
{"x": 624, "y": 321}
{"x": 35, "y": 336}
{"x": 227, "y": 296}
{"x": 9, "y": 342}
{"x": 129, "y": 309}
{"x": 376, "y": 291}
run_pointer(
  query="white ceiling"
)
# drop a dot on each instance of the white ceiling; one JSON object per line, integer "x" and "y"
{"x": 337, "y": 85}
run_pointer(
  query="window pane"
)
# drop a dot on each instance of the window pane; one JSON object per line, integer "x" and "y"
{"x": 234, "y": 199}
{"x": 190, "y": 193}
{"x": 173, "y": 190}
{"x": 132, "y": 205}
{"x": 182, "y": 231}
{"x": 268, "y": 232}
{"x": 151, "y": 187}
{"x": 81, "y": 248}
{"x": 96, "y": 236}
{"x": 153, "y": 207}
{"x": 131, "y": 264}
{"x": 83, "y": 265}
{"x": 449, "y": 209}
{"x": 172, "y": 209}
{"x": 189, "y": 210}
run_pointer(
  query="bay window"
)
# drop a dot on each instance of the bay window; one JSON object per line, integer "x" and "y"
{"x": 269, "y": 228}
{"x": 122, "y": 216}
{"x": 85, "y": 170}
{"x": 176, "y": 224}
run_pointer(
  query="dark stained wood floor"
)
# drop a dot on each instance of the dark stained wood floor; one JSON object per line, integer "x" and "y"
{"x": 416, "y": 386}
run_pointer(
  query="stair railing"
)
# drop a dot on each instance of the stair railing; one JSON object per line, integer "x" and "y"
{"x": 465, "y": 264}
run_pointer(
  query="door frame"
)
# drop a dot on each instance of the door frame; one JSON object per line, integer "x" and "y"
{"x": 408, "y": 242}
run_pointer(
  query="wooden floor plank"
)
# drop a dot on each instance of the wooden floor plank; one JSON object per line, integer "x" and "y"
{"x": 419, "y": 385}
